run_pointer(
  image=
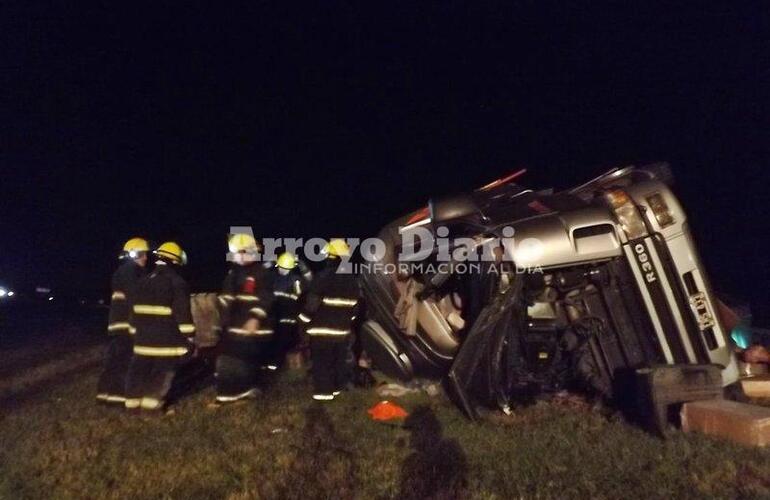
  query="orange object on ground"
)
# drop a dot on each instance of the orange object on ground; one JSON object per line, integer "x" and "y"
{"x": 385, "y": 410}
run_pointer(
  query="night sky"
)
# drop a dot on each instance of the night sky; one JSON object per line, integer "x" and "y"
{"x": 332, "y": 118}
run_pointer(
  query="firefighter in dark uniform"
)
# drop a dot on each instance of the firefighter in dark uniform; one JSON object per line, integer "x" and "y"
{"x": 164, "y": 330}
{"x": 247, "y": 331}
{"x": 112, "y": 383}
{"x": 288, "y": 284}
{"x": 328, "y": 315}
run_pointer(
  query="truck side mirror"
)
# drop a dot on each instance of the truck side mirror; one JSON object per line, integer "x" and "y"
{"x": 452, "y": 208}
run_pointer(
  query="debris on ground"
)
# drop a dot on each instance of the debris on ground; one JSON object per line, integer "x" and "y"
{"x": 432, "y": 390}
{"x": 393, "y": 390}
{"x": 385, "y": 410}
{"x": 575, "y": 402}
{"x": 738, "y": 422}
{"x": 397, "y": 390}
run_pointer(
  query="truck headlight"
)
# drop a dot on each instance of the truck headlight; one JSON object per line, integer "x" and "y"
{"x": 660, "y": 210}
{"x": 627, "y": 214}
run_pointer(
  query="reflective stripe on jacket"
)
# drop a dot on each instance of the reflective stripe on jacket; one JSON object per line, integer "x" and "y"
{"x": 124, "y": 282}
{"x": 161, "y": 314}
{"x": 246, "y": 295}
{"x": 332, "y": 304}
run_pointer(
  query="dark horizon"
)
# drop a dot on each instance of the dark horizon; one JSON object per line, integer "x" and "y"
{"x": 310, "y": 120}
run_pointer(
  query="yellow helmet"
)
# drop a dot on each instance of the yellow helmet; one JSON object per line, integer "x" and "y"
{"x": 286, "y": 260}
{"x": 133, "y": 247}
{"x": 337, "y": 247}
{"x": 172, "y": 252}
{"x": 242, "y": 243}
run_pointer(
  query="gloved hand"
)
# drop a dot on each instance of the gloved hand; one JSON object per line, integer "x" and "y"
{"x": 251, "y": 325}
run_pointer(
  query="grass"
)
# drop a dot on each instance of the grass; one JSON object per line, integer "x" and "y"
{"x": 55, "y": 442}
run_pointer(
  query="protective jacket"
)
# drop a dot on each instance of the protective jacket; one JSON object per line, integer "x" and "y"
{"x": 287, "y": 290}
{"x": 246, "y": 294}
{"x": 161, "y": 314}
{"x": 332, "y": 305}
{"x": 124, "y": 282}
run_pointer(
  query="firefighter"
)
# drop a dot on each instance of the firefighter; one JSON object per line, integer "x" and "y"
{"x": 328, "y": 316}
{"x": 164, "y": 330}
{"x": 246, "y": 328}
{"x": 112, "y": 383}
{"x": 288, "y": 285}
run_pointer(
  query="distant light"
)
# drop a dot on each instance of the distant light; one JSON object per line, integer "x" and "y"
{"x": 11, "y": 293}
{"x": 50, "y": 299}
{"x": 3, "y": 292}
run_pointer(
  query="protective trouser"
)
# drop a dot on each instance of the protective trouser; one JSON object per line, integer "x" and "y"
{"x": 286, "y": 338}
{"x": 150, "y": 380}
{"x": 238, "y": 369}
{"x": 112, "y": 383}
{"x": 331, "y": 366}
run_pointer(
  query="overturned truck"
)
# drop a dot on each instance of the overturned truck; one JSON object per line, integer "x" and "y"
{"x": 598, "y": 288}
